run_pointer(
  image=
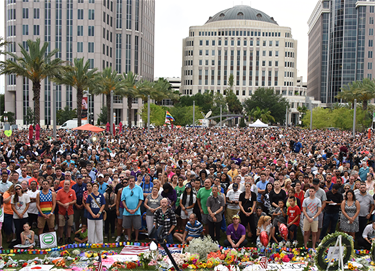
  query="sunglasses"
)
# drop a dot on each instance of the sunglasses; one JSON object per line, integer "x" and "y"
{"x": 132, "y": 193}
{"x": 125, "y": 183}
{"x": 122, "y": 177}
{"x": 18, "y": 189}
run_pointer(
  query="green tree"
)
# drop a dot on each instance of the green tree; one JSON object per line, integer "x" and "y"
{"x": 262, "y": 114}
{"x": 184, "y": 115}
{"x": 363, "y": 91}
{"x": 234, "y": 104}
{"x": 219, "y": 100}
{"x": 266, "y": 98}
{"x": 30, "y": 116}
{"x": 157, "y": 114}
{"x": 102, "y": 117}
{"x": 242, "y": 123}
{"x": 11, "y": 117}
{"x": 81, "y": 77}
{"x": 109, "y": 81}
{"x": 65, "y": 114}
{"x": 204, "y": 101}
{"x": 35, "y": 64}
{"x": 130, "y": 91}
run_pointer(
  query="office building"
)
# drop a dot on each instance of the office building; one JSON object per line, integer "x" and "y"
{"x": 341, "y": 46}
{"x": 108, "y": 33}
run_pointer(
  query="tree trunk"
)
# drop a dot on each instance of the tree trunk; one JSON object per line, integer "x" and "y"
{"x": 108, "y": 107}
{"x": 364, "y": 105}
{"x": 129, "y": 111}
{"x": 79, "y": 106}
{"x": 36, "y": 99}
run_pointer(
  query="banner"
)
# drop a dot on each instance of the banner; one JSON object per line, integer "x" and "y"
{"x": 48, "y": 240}
{"x": 84, "y": 108}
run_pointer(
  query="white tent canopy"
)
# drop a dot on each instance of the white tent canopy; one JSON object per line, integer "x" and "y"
{"x": 258, "y": 123}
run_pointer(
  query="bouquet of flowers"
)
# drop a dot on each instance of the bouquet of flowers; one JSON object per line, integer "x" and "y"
{"x": 202, "y": 246}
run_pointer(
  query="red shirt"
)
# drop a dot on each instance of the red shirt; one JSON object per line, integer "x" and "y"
{"x": 293, "y": 212}
{"x": 65, "y": 197}
{"x": 71, "y": 183}
{"x": 300, "y": 195}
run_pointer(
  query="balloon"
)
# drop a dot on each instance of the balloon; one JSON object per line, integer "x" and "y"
{"x": 264, "y": 238}
{"x": 283, "y": 231}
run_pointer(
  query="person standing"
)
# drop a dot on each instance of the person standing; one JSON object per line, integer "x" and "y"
{"x": 152, "y": 203}
{"x": 366, "y": 203}
{"x": 350, "y": 208}
{"x": 233, "y": 196}
{"x": 95, "y": 204}
{"x": 33, "y": 210}
{"x": 215, "y": 207}
{"x": 132, "y": 197}
{"x": 165, "y": 217}
{"x": 110, "y": 207}
{"x": 247, "y": 203}
{"x": 20, "y": 204}
{"x": 65, "y": 198}
{"x": 202, "y": 197}
{"x": 46, "y": 204}
{"x": 79, "y": 207}
{"x": 311, "y": 207}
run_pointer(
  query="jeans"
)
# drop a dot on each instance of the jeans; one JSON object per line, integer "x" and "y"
{"x": 329, "y": 218}
{"x": 8, "y": 224}
{"x": 362, "y": 224}
{"x": 170, "y": 239}
{"x": 18, "y": 224}
{"x": 212, "y": 227}
{"x": 227, "y": 244}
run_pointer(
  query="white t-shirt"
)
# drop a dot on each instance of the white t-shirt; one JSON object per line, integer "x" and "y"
{"x": 32, "y": 207}
{"x": 20, "y": 206}
{"x": 233, "y": 196}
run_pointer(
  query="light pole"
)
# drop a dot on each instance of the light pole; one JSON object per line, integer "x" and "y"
{"x": 354, "y": 116}
{"x": 221, "y": 115}
{"x": 311, "y": 115}
{"x": 286, "y": 117}
{"x": 148, "y": 114}
{"x": 54, "y": 109}
{"x": 194, "y": 114}
{"x": 111, "y": 115}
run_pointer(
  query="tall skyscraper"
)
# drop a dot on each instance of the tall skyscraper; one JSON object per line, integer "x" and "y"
{"x": 341, "y": 46}
{"x": 247, "y": 43}
{"x": 108, "y": 33}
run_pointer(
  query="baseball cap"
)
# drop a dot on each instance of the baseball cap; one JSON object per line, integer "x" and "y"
{"x": 49, "y": 161}
{"x": 236, "y": 216}
{"x": 49, "y": 166}
{"x": 306, "y": 176}
{"x": 235, "y": 186}
{"x": 100, "y": 176}
{"x": 79, "y": 176}
{"x": 188, "y": 185}
{"x": 316, "y": 181}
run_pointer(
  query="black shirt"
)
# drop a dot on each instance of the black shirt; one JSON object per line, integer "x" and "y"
{"x": 275, "y": 198}
{"x": 337, "y": 198}
{"x": 247, "y": 204}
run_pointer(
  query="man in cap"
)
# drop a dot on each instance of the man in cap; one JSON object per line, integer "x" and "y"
{"x": 102, "y": 184}
{"x": 79, "y": 188}
{"x": 236, "y": 234}
{"x": 233, "y": 196}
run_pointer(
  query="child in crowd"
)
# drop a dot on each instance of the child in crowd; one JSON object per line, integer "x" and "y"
{"x": 280, "y": 212}
{"x": 27, "y": 237}
{"x": 294, "y": 213}
{"x": 81, "y": 235}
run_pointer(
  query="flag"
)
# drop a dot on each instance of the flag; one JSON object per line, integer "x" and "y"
{"x": 100, "y": 264}
{"x": 263, "y": 263}
{"x": 167, "y": 121}
{"x": 168, "y": 116}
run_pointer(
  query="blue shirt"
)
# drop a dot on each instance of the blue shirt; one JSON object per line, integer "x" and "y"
{"x": 79, "y": 189}
{"x": 147, "y": 188}
{"x": 261, "y": 186}
{"x": 297, "y": 147}
{"x": 194, "y": 230}
{"x": 92, "y": 175}
{"x": 94, "y": 207}
{"x": 363, "y": 173}
{"x": 102, "y": 187}
{"x": 131, "y": 198}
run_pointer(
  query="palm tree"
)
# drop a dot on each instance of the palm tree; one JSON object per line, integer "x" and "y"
{"x": 130, "y": 90}
{"x": 108, "y": 81}
{"x": 365, "y": 92}
{"x": 81, "y": 77}
{"x": 348, "y": 92}
{"x": 3, "y": 43}
{"x": 144, "y": 89}
{"x": 262, "y": 114}
{"x": 35, "y": 64}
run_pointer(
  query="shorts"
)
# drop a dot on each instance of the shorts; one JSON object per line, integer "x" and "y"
{"x": 132, "y": 220}
{"x": 62, "y": 220}
{"x": 184, "y": 216}
{"x": 320, "y": 219}
{"x": 307, "y": 225}
{"x": 121, "y": 211}
{"x": 205, "y": 219}
{"x": 50, "y": 222}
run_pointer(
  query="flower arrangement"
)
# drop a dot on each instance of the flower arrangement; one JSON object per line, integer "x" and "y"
{"x": 146, "y": 257}
{"x": 202, "y": 246}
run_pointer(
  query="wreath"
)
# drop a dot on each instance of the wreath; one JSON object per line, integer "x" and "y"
{"x": 329, "y": 241}
{"x": 372, "y": 251}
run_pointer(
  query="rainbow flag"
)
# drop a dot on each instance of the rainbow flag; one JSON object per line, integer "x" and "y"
{"x": 168, "y": 116}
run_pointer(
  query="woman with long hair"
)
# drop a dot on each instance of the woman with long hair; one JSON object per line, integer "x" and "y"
{"x": 203, "y": 176}
{"x": 224, "y": 181}
{"x": 152, "y": 203}
{"x": 170, "y": 194}
{"x": 20, "y": 204}
{"x": 247, "y": 202}
{"x": 8, "y": 214}
{"x": 110, "y": 207}
{"x": 264, "y": 224}
{"x": 95, "y": 205}
{"x": 265, "y": 198}
{"x": 349, "y": 221}
{"x": 187, "y": 202}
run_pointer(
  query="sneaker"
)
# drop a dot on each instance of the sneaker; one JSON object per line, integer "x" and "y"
{"x": 113, "y": 237}
{"x": 118, "y": 238}
{"x": 61, "y": 241}
{"x": 69, "y": 241}
{"x": 126, "y": 238}
{"x": 106, "y": 236}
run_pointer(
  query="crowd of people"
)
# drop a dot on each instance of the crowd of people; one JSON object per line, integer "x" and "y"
{"x": 243, "y": 184}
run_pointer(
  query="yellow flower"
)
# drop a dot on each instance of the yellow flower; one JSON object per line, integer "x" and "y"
{"x": 204, "y": 265}
{"x": 209, "y": 264}
{"x": 192, "y": 266}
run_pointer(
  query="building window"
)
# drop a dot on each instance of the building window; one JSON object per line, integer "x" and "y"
{"x": 369, "y": 65}
{"x": 128, "y": 14}
{"x": 118, "y": 52}
{"x": 91, "y": 61}
{"x": 369, "y": 54}
{"x": 80, "y": 30}
{"x": 36, "y": 13}
{"x": 91, "y": 47}
{"x": 36, "y": 30}
{"x": 371, "y": 20}
{"x": 80, "y": 14}
{"x": 371, "y": 31}
{"x": 80, "y": 47}
{"x": 370, "y": 43}
{"x": 91, "y": 1}
{"x": 119, "y": 14}
{"x": 25, "y": 13}
{"x": 25, "y": 29}
{"x": 91, "y": 30}
{"x": 91, "y": 14}
{"x": 128, "y": 54}
{"x": 372, "y": 9}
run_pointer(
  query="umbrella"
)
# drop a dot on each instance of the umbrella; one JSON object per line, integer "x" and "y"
{"x": 31, "y": 132}
{"x": 89, "y": 127}
{"x": 114, "y": 129}
{"x": 120, "y": 127}
{"x": 37, "y": 132}
{"x": 107, "y": 127}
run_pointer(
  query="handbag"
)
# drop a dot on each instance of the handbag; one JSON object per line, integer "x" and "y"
{"x": 104, "y": 212}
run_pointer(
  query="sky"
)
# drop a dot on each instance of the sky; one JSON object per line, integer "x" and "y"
{"x": 174, "y": 17}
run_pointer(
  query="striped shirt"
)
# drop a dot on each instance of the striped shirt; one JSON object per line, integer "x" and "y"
{"x": 45, "y": 202}
{"x": 194, "y": 230}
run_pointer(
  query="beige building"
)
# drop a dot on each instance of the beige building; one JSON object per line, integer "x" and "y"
{"x": 247, "y": 43}
{"x": 109, "y": 33}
